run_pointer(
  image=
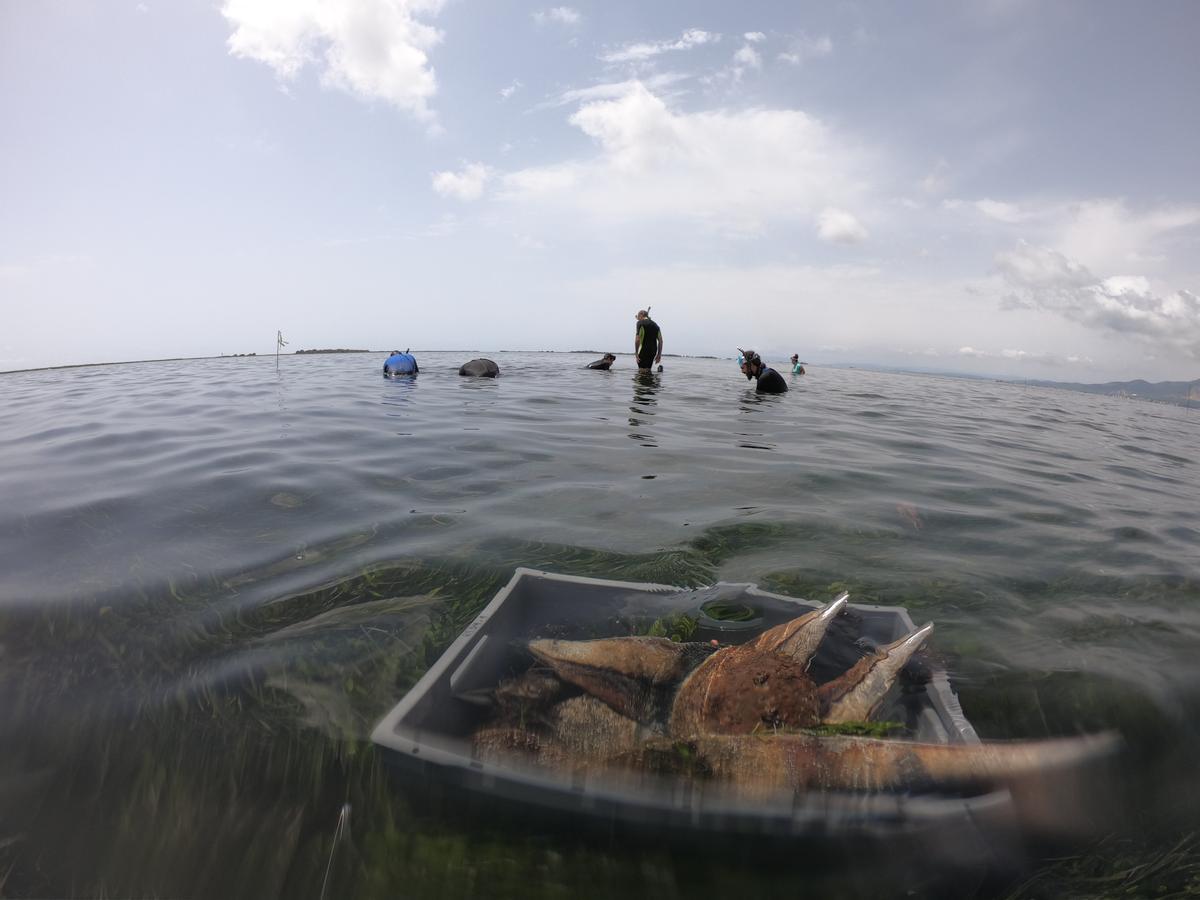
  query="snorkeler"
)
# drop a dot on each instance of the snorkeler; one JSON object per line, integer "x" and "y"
{"x": 769, "y": 381}
{"x": 479, "y": 368}
{"x": 604, "y": 363}
{"x": 400, "y": 364}
{"x": 647, "y": 342}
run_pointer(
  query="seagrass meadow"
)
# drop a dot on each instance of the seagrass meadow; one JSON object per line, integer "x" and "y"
{"x": 215, "y": 577}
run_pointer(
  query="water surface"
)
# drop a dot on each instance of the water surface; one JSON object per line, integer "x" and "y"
{"x": 216, "y": 575}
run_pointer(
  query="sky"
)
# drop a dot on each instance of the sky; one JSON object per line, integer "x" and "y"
{"x": 1001, "y": 187}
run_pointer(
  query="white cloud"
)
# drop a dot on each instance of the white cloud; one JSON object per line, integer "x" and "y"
{"x": 1042, "y": 278}
{"x": 998, "y": 211}
{"x": 754, "y": 36}
{"x": 561, "y": 15}
{"x": 994, "y": 210}
{"x": 612, "y": 90}
{"x": 640, "y": 52}
{"x": 744, "y": 59}
{"x": 1103, "y": 233}
{"x": 748, "y": 57}
{"x": 1022, "y": 356}
{"x": 375, "y": 49}
{"x": 1099, "y": 234}
{"x": 802, "y": 48}
{"x": 840, "y": 227}
{"x": 465, "y": 185}
{"x": 506, "y": 92}
{"x": 735, "y": 170}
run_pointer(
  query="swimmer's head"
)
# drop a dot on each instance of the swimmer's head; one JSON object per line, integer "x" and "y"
{"x": 749, "y": 362}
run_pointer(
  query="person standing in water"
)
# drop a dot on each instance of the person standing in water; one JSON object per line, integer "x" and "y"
{"x": 797, "y": 366}
{"x": 647, "y": 341}
{"x": 768, "y": 381}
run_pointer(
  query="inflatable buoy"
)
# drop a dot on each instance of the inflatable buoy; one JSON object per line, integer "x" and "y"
{"x": 480, "y": 368}
{"x": 400, "y": 364}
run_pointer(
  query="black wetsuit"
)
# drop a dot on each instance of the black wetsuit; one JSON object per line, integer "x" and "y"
{"x": 648, "y": 347}
{"x": 770, "y": 382}
{"x": 601, "y": 364}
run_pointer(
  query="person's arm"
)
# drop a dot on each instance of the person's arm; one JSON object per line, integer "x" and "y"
{"x": 637, "y": 340}
{"x": 658, "y": 358}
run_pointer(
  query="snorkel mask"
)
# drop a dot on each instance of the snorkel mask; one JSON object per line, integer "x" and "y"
{"x": 746, "y": 357}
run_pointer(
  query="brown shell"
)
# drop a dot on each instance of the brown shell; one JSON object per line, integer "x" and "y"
{"x": 739, "y": 690}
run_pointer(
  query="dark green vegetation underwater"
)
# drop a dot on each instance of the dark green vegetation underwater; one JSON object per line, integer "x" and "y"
{"x": 136, "y": 765}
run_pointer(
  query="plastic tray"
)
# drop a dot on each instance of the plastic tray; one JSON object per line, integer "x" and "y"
{"x": 429, "y": 730}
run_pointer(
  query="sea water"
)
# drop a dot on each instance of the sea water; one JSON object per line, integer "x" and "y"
{"x": 216, "y": 575}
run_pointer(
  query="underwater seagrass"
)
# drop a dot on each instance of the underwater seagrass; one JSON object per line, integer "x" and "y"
{"x": 747, "y": 716}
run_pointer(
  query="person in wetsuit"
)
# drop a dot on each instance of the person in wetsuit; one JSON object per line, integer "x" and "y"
{"x": 400, "y": 364}
{"x": 479, "y": 368}
{"x": 647, "y": 341}
{"x": 769, "y": 381}
{"x": 604, "y": 363}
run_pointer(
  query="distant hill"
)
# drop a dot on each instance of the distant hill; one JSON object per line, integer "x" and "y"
{"x": 1180, "y": 393}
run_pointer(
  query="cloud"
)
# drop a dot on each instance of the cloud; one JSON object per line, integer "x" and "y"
{"x": 612, "y": 90}
{"x": 754, "y": 36}
{"x": 465, "y": 185}
{"x": 733, "y": 169}
{"x": 802, "y": 48}
{"x": 840, "y": 227}
{"x": 1105, "y": 232}
{"x": 748, "y": 57}
{"x": 998, "y": 211}
{"x": 640, "y": 52}
{"x": 744, "y": 59}
{"x": 506, "y": 92}
{"x": 1023, "y": 356}
{"x": 560, "y": 15}
{"x": 1098, "y": 234}
{"x": 374, "y": 49}
{"x": 1042, "y": 278}
{"x": 994, "y": 210}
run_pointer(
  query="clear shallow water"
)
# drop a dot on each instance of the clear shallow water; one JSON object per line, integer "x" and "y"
{"x": 215, "y": 577}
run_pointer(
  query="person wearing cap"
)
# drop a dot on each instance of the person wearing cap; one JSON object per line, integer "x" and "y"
{"x": 604, "y": 363}
{"x": 768, "y": 380}
{"x": 797, "y": 366}
{"x": 647, "y": 341}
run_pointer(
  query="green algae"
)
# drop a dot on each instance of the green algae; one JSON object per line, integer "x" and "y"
{"x": 260, "y": 764}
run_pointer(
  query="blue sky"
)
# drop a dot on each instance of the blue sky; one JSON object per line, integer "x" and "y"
{"x": 1001, "y": 187}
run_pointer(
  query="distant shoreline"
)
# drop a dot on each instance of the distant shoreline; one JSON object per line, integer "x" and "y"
{"x": 255, "y": 355}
